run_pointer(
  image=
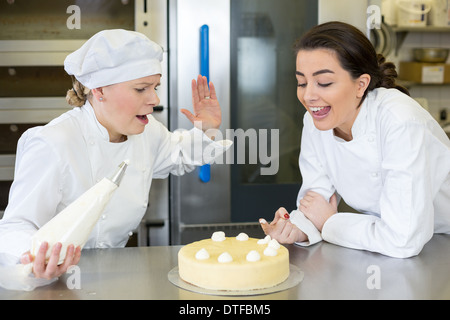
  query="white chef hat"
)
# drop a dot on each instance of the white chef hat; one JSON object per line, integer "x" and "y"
{"x": 114, "y": 56}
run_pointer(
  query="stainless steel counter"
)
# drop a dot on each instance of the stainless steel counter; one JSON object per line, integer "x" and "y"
{"x": 330, "y": 272}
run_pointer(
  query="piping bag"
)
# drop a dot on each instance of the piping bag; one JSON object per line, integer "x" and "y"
{"x": 73, "y": 225}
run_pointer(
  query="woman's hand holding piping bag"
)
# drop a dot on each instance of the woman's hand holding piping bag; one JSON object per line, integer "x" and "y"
{"x": 51, "y": 269}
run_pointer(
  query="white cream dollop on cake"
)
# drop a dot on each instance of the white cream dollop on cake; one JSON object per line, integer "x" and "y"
{"x": 265, "y": 240}
{"x": 218, "y": 236}
{"x": 253, "y": 256}
{"x": 234, "y": 263}
{"x": 225, "y": 258}
{"x": 202, "y": 254}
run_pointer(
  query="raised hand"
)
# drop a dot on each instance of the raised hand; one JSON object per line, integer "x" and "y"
{"x": 207, "y": 113}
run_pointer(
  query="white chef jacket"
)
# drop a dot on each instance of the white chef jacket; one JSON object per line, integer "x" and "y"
{"x": 395, "y": 172}
{"x": 58, "y": 162}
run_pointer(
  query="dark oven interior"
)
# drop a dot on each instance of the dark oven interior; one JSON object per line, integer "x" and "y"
{"x": 4, "y": 193}
{"x": 10, "y": 134}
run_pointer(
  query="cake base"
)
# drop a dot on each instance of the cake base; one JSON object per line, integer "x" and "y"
{"x": 295, "y": 277}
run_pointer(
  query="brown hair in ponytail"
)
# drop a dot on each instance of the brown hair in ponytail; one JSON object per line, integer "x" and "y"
{"x": 78, "y": 95}
{"x": 355, "y": 52}
{"x": 388, "y": 74}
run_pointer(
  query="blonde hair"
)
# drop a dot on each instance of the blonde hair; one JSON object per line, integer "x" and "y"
{"x": 78, "y": 95}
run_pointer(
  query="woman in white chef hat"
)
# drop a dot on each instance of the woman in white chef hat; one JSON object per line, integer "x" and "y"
{"x": 368, "y": 142}
{"x": 116, "y": 74}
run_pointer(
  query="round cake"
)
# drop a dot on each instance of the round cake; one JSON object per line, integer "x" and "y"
{"x": 234, "y": 263}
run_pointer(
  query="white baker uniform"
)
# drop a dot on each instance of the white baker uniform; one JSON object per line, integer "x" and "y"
{"x": 58, "y": 162}
{"x": 395, "y": 171}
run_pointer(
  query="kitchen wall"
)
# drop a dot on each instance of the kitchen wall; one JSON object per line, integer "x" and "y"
{"x": 350, "y": 11}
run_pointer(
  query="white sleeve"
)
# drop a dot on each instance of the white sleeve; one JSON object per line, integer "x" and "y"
{"x": 314, "y": 179}
{"x": 412, "y": 159}
{"x": 179, "y": 152}
{"x": 314, "y": 176}
{"x": 34, "y": 195}
{"x": 298, "y": 218}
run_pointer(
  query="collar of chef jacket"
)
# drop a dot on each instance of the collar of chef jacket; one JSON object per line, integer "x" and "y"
{"x": 359, "y": 127}
{"x": 101, "y": 130}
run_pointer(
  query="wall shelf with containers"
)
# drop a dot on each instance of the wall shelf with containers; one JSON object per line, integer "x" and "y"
{"x": 415, "y": 16}
{"x": 428, "y": 66}
{"x": 421, "y": 17}
{"x": 402, "y": 32}
{"x": 416, "y": 25}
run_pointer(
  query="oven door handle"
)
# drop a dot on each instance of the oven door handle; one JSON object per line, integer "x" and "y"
{"x": 204, "y": 171}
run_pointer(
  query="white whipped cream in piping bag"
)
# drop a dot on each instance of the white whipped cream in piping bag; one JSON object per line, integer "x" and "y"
{"x": 73, "y": 225}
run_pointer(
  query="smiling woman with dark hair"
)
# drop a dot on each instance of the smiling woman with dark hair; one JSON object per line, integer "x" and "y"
{"x": 365, "y": 140}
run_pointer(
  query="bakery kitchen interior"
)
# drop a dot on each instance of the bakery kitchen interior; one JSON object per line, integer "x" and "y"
{"x": 245, "y": 47}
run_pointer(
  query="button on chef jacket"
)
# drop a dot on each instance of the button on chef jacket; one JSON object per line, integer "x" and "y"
{"x": 395, "y": 172}
{"x": 58, "y": 162}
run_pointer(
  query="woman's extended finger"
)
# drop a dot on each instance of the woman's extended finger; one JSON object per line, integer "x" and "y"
{"x": 212, "y": 90}
{"x": 206, "y": 89}
{"x": 195, "y": 96}
{"x": 74, "y": 254}
{"x": 69, "y": 260}
{"x": 202, "y": 92}
{"x": 39, "y": 260}
{"x": 188, "y": 115}
{"x": 52, "y": 265}
{"x": 77, "y": 255}
{"x": 265, "y": 226}
{"x": 283, "y": 213}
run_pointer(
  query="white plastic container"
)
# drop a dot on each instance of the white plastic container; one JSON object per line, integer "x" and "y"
{"x": 439, "y": 14}
{"x": 389, "y": 11}
{"x": 413, "y": 13}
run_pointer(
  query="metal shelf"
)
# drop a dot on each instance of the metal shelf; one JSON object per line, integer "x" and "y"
{"x": 36, "y": 52}
{"x": 402, "y": 32}
{"x": 409, "y": 84}
{"x": 421, "y": 29}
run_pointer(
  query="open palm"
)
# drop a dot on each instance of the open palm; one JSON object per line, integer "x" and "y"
{"x": 207, "y": 113}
